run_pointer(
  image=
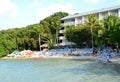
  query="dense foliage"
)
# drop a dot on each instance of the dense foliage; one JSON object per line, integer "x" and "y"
{"x": 78, "y": 34}
{"x": 96, "y": 33}
{"x": 92, "y": 33}
{"x": 28, "y": 37}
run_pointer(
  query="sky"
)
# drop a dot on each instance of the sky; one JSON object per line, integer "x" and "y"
{"x": 20, "y": 13}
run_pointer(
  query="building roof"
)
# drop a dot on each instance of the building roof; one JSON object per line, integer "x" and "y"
{"x": 91, "y": 12}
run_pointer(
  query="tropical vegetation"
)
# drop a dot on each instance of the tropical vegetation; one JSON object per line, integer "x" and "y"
{"x": 28, "y": 37}
{"x": 92, "y": 33}
{"x": 96, "y": 33}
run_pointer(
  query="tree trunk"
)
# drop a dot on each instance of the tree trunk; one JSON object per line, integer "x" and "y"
{"x": 39, "y": 42}
{"x": 92, "y": 38}
{"x": 16, "y": 44}
{"x": 57, "y": 38}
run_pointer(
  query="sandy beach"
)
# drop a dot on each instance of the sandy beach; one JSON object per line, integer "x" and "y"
{"x": 115, "y": 60}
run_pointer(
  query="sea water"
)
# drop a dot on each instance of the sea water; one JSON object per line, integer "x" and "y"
{"x": 57, "y": 70}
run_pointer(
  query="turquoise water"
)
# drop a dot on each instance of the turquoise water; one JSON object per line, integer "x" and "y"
{"x": 57, "y": 70}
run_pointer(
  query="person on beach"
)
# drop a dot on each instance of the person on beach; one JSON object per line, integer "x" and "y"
{"x": 94, "y": 52}
{"x": 101, "y": 50}
{"x": 108, "y": 57}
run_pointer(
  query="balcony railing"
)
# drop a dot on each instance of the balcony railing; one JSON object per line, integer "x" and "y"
{"x": 62, "y": 37}
{"x": 61, "y": 31}
{"x": 69, "y": 23}
{"x": 79, "y": 22}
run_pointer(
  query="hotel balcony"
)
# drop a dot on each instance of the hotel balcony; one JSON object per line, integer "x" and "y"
{"x": 69, "y": 23}
{"x": 67, "y": 43}
{"x": 61, "y": 31}
{"x": 62, "y": 37}
{"x": 79, "y": 22}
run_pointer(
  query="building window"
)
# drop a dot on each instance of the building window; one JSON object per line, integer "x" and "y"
{"x": 62, "y": 28}
{"x": 73, "y": 20}
{"x": 61, "y": 34}
{"x": 115, "y": 12}
{"x": 80, "y": 21}
{"x": 60, "y": 41}
{"x": 62, "y": 21}
{"x": 97, "y": 15}
{"x": 105, "y": 14}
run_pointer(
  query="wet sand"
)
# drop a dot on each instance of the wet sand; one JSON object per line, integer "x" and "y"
{"x": 115, "y": 60}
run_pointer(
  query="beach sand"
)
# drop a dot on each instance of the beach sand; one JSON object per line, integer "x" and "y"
{"x": 115, "y": 60}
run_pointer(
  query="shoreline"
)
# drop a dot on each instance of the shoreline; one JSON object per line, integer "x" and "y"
{"x": 114, "y": 61}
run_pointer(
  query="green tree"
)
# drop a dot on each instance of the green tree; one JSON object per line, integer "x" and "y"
{"x": 111, "y": 26}
{"x": 28, "y": 37}
{"x": 92, "y": 22}
{"x": 78, "y": 34}
{"x": 53, "y": 24}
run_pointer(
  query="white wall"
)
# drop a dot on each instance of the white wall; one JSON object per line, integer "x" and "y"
{"x": 118, "y": 12}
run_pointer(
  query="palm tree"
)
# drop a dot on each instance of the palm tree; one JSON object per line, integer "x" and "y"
{"x": 40, "y": 32}
{"x": 111, "y": 25}
{"x": 92, "y": 22}
{"x": 57, "y": 25}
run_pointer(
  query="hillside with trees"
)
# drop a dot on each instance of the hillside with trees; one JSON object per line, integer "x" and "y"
{"x": 28, "y": 37}
{"x": 92, "y": 33}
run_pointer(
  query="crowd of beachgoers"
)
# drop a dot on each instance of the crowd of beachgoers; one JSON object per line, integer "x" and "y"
{"x": 104, "y": 53}
{"x": 49, "y": 53}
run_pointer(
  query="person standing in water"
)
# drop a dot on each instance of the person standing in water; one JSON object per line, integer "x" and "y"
{"x": 108, "y": 57}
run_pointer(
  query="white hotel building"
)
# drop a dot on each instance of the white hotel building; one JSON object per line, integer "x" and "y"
{"x": 77, "y": 19}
